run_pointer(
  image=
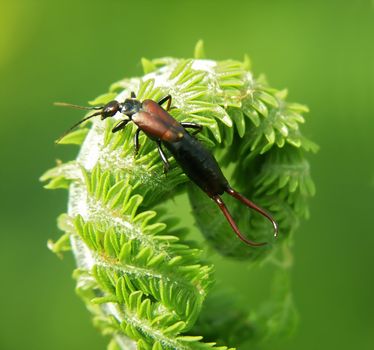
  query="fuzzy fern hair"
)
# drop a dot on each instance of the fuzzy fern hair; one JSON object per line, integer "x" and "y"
{"x": 145, "y": 283}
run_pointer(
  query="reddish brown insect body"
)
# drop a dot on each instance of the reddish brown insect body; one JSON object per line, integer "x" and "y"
{"x": 158, "y": 124}
{"x": 195, "y": 160}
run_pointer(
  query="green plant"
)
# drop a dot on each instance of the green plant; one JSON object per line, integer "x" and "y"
{"x": 146, "y": 284}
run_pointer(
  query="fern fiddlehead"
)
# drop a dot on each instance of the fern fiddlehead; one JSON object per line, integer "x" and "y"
{"x": 139, "y": 276}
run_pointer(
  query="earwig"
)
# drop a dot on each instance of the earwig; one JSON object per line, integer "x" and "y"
{"x": 195, "y": 160}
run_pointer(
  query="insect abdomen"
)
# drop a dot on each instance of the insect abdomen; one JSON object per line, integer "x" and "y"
{"x": 198, "y": 164}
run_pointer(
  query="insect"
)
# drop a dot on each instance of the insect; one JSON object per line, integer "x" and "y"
{"x": 195, "y": 160}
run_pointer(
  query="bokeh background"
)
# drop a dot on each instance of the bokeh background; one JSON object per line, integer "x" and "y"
{"x": 72, "y": 50}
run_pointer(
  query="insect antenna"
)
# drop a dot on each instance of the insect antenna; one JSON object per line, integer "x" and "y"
{"x": 75, "y": 125}
{"x": 252, "y": 205}
{"x": 63, "y": 104}
{"x": 231, "y": 221}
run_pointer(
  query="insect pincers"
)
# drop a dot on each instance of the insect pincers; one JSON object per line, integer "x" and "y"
{"x": 195, "y": 160}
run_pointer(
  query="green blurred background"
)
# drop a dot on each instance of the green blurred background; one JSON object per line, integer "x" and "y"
{"x": 72, "y": 50}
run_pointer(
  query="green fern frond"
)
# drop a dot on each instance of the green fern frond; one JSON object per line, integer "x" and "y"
{"x": 142, "y": 280}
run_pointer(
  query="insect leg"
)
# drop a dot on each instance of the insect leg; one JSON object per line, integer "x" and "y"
{"x": 192, "y": 125}
{"x": 231, "y": 221}
{"x": 136, "y": 141}
{"x": 167, "y": 98}
{"x": 120, "y": 125}
{"x": 252, "y": 205}
{"x": 163, "y": 157}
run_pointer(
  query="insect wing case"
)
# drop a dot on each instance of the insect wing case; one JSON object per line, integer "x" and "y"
{"x": 157, "y": 123}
